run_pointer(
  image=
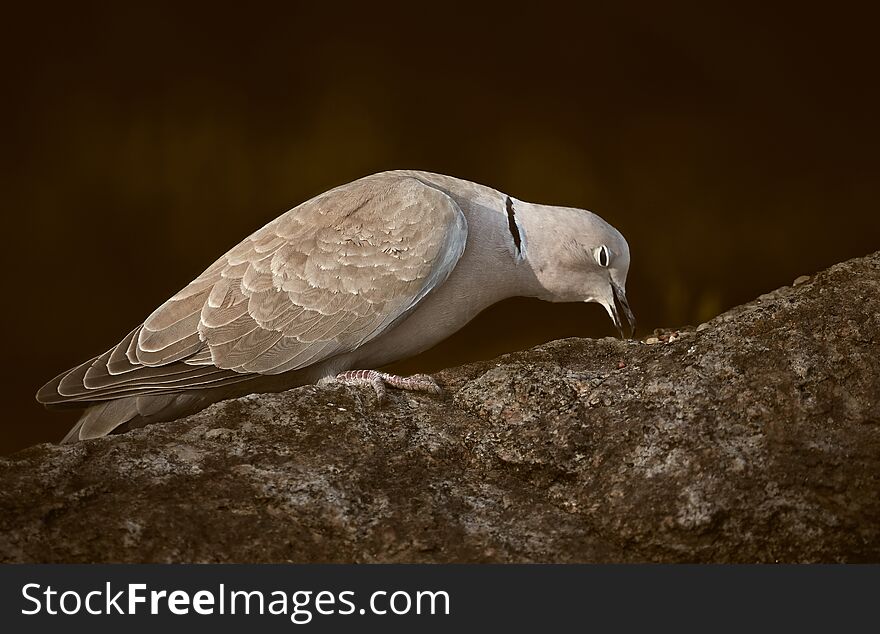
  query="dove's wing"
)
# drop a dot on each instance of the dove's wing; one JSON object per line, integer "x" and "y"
{"x": 318, "y": 281}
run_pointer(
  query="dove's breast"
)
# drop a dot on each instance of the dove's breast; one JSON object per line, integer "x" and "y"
{"x": 486, "y": 273}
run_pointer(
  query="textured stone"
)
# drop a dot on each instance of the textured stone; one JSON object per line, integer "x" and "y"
{"x": 754, "y": 439}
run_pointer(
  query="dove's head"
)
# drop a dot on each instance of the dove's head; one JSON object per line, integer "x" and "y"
{"x": 578, "y": 257}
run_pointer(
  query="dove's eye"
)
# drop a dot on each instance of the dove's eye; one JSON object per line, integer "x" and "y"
{"x": 603, "y": 256}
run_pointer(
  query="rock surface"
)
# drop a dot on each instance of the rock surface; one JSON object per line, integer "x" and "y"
{"x": 754, "y": 439}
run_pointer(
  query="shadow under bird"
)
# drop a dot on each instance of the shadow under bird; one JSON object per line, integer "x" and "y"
{"x": 356, "y": 278}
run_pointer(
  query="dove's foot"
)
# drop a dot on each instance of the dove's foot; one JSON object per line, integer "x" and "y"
{"x": 377, "y": 380}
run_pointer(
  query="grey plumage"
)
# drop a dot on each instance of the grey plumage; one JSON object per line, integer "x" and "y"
{"x": 362, "y": 275}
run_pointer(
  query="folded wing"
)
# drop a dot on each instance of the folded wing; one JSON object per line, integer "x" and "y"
{"x": 318, "y": 281}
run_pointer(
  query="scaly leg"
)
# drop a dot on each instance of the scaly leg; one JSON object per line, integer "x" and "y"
{"x": 377, "y": 380}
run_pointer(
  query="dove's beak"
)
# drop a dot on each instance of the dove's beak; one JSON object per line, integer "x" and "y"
{"x": 620, "y": 305}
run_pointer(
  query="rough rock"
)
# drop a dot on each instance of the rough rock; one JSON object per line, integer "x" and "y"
{"x": 756, "y": 439}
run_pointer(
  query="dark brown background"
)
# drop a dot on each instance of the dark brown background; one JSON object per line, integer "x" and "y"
{"x": 735, "y": 148}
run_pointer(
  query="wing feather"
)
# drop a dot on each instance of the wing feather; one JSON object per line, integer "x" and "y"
{"x": 119, "y": 362}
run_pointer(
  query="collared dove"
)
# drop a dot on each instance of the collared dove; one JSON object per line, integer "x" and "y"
{"x": 356, "y": 278}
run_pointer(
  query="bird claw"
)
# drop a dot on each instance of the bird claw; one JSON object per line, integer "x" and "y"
{"x": 377, "y": 380}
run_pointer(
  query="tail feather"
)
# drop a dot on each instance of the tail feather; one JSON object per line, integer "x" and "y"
{"x": 100, "y": 420}
{"x": 135, "y": 411}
